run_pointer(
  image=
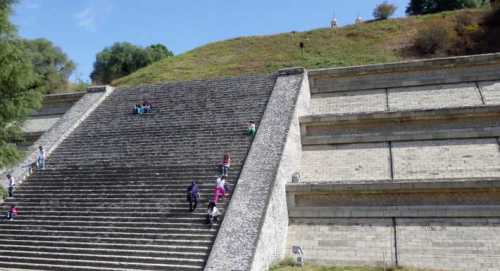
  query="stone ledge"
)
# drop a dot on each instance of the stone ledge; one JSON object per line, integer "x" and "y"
{"x": 94, "y": 89}
{"x": 451, "y": 211}
{"x": 394, "y": 185}
{"x": 425, "y": 114}
{"x": 291, "y": 71}
{"x": 414, "y": 65}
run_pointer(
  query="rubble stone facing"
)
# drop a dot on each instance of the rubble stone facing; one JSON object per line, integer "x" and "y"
{"x": 254, "y": 231}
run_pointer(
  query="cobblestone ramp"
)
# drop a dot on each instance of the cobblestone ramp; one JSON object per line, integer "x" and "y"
{"x": 113, "y": 196}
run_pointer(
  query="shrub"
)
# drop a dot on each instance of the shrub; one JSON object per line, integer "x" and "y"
{"x": 384, "y": 11}
{"x": 3, "y": 194}
{"x": 491, "y": 31}
{"x": 418, "y": 7}
{"x": 433, "y": 40}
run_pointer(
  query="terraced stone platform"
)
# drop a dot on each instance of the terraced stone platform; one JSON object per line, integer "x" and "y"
{"x": 113, "y": 194}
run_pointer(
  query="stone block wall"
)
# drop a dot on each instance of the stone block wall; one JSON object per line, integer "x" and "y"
{"x": 401, "y": 166}
{"x": 253, "y": 233}
{"x": 469, "y": 244}
{"x": 344, "y": 242}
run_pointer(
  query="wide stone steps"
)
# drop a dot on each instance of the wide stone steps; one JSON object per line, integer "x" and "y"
{"x": 73, "y": 262}
{"x": 55, "y": 239}
{"x": 199, "y": 250}
{"x": 113, "y": 196}
{"x": 105, "y": 232}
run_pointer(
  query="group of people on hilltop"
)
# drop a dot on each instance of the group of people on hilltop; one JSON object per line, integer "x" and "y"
{"x": 145, "y": 107}
{"x": 40, "y": 165}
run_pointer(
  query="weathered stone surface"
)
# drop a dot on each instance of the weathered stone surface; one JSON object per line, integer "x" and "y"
{"x": 403, "y": 74}
{"x": 434, "y": 96}
{"x": 39, "y": 124}
{"x": 349, "y": 102}
{"x": 343, "y": 241}
{"x": 346, "y": 163}
{"x": 253, "y": 233}
{"x": 59, "y": 131}
{"x": 490, "y": 91}
{"x": 446, "y": 159}
{"x": 450, "y": 244}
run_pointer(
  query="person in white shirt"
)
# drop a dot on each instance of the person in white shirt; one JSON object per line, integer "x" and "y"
{"x": 213, "y": 213}
{"x": 40, "y": 159}
{"x": 12, "y": 185}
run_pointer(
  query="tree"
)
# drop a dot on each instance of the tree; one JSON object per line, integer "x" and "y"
{"x": 123, "y": 58}
{"x": 157, "y": 52}
{"x": 19, "y": 89}
{"x": 418, "y": 7}
{"x": 384, "y": 11}
{"x": 51, "y": 64}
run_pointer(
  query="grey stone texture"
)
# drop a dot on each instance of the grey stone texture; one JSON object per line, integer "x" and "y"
{"x": 401, "y": 165}
{"x": 466, "y": 244}
{"x": 471, "y": 244}
{"x": 343, "y": 242}
{"x": 448, "y": 123}
{"x": 404, "y": 74}
{"x": 434, "y": 96}
{"x": 349, "y": 162}
{"x": 254, "y": 232}
{"x": 51, "y": 139}
{"x": 490, "y": 91}
{"x": 446, "y": 159}
{"x": 349, "y": 102}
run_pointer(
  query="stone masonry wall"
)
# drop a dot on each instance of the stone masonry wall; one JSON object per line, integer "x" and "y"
{"x": 271, "y": 246}
{"x": 51, "y": 139}
{"x": 253, "y": 233}
{"x": 466, "y": 244}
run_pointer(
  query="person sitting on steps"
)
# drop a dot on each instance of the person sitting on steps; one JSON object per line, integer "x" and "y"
{"x": 193, "y": 196}
{"x": 12, "y": 213}
{"x": 138, "y": 109}
{"x": 213, "y": 213}
{"x": 40, "y": 159}
{"x": 251, "y": 130}
{"x": 12, "y": 185}
{"x": 148, "y": 108}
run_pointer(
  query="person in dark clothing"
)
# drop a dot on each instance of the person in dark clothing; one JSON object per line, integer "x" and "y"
{"x": 193, "y": 193}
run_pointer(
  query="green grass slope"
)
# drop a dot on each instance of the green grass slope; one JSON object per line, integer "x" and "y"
{"x": 366, "y": 43}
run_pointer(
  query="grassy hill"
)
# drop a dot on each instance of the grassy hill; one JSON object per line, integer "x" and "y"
{"x": 366, "y": 43}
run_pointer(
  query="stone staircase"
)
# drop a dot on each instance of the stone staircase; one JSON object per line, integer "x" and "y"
{"x": 113, "y": 195}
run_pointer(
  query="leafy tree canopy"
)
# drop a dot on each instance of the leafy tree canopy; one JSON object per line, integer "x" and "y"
{"x": 19, "y": 91}
{"x": 418, "y": 7}
{"x": 123, "y": 58}
{"x": 51, "y": 64}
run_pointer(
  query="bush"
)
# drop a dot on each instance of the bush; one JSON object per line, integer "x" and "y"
{"x": 3, "y": 195}
{"x": 384, "y": 11}
{"x": 491, "y": 32}
{"x": 419, "y": 7}
{"x": 433, "y": 40}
